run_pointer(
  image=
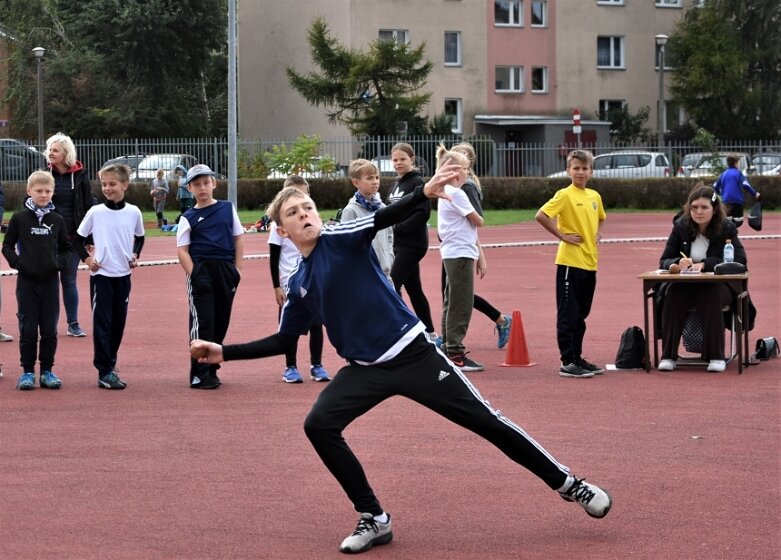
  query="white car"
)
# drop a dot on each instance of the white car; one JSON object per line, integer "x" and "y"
{"x": 147, "y": 167}
{"x": 767, "y": 163}
{"x": 628, "y": 165}
{"x": 711, "y": 165}
{"x": 689, "y": 162}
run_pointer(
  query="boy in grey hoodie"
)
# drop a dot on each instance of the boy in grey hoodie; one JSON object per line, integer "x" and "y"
{"x": 366, "y": 179}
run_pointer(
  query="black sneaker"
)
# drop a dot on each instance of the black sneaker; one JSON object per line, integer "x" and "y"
{"x": 464, "y": 363}
{"x": 593, "y": 368}
{"x": 574, "y": 370}
{"x": 111, "y": 381}
{"x": 209, "y": 381}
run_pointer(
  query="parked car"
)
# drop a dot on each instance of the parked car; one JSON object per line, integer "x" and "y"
{"x": 18, "y": 160}
{"x": 767, "y": 163}
{"x": 385, "y": 165}
{"x": 148, "y": 166}
{"x": 131, "y": 161}
{"x": 711, "y": 165}
{"x": 689, "y": 162}
{"x": 628, "y": 165}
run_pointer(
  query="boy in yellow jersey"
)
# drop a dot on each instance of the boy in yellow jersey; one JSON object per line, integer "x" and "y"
{"x": 575, "y": 216}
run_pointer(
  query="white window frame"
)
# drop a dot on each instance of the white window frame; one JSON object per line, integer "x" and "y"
{"x": 616, "y": 44}
{"x": 518, "y": 9}
{"x": 604, "y": 105}
{"x": 657, "y": 50}
{"x": 611, "y": 2}
{"x": 458, "y": 121}
{"x": 544, "y": 4}
{"x": 544, "y": 71}
{"x": 516, "y": 77}
{"x": 669, "y": 3}
{"x": 400, "y": 36}
{"x": 458, "y": 61}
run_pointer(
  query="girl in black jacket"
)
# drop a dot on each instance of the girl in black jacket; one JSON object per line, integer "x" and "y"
{"x": 410, "y": 237}
{"x": 696, "y": 244}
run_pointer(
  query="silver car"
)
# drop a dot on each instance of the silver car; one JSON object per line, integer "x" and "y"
{"x": 767, "y": 163}
{"x": 712, "y": 165}
{"x": 628, "y": 165}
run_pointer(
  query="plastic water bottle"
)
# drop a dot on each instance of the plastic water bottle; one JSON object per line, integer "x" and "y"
{"x": 729, "y": 251}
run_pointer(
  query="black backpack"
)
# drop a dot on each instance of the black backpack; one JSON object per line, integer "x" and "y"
{"x": 631, "y": 349}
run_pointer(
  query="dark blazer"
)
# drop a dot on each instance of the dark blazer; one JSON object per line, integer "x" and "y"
{"x": 680, "y": 241}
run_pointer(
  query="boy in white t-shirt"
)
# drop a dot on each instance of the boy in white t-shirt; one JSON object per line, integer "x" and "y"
{"x": 457, "y": 223}
{"x": 117, "y": 230}
{"x": 283, "y": 260}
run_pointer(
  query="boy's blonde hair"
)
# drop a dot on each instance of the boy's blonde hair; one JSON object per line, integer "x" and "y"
{"x": 122, "y": 171}
{"x": 159, "y": 172}
{"x": 295, "y": 180}
{"x": 67, "y": 145}
{"x": 581, "y": 155}
{"x": 273, "y": 209}
{"x": 443, "y": 154}
{"x": 40, "y": 178}
{"x": 361, "y": 167}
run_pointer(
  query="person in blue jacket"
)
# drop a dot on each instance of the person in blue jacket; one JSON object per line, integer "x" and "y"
{"x": 730, "y": 186}
{"x": 338, "y": 282}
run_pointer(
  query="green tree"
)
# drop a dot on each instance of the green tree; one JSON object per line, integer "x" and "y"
{"x": 119, "y": 68}
{"x": 626, "y": 127}
{"x": 727, "y": 60}
{"x": 370, "y": 92}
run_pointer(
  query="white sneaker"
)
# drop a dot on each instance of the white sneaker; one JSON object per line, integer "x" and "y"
{"x": 368, "y": 533}
{"x": 666, "y": 365}
{"x": 717, "y": 365}
{"x": 592, "y": 498}
{"x": 5, "y": 337}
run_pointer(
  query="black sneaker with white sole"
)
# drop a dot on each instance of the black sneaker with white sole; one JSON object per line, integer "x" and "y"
{"x": 368, "y": 533}
{"x": 573, "y": 369}
{"x": 594, "y": 368}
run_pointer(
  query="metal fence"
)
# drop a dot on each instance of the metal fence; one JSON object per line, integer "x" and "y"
{"x": 493, "y": 158}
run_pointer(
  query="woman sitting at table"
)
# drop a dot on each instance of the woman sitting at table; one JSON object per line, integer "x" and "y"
{"x": 696, "y": 244}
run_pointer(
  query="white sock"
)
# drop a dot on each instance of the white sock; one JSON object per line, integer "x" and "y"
{"x": 381, "y": 518}
{"x": 567, "y": 484}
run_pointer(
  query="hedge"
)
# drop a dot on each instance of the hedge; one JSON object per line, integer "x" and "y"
{"x": 498, "y": 192}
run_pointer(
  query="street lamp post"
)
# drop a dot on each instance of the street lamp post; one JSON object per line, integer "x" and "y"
{"x": 38, "y": 52}
{"x": 661, "y": 41}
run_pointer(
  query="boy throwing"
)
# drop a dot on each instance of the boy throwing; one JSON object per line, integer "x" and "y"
{"x": 337, "y": 283}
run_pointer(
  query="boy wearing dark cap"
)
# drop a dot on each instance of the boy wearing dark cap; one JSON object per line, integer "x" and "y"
{"x": 210, "y": 249}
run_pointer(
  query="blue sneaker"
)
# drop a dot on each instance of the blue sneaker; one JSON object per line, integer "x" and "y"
{"x": 26, "y": 381}
{"x": 49, "y": 381}
{"x": 292, "y": 375}
{"x": 503, "y": 332}
{"x": 319, "y": 373}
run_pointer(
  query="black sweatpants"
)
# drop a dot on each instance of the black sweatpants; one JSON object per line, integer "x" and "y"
{"x": 210, "y": 290}
{"x": 109, "y": 297}
{"x": 574, "y": 294}
{"x": 423, "y": 374}
{"x": 38, "y": 312}
{"x": 406, "y": 272}
{"x": 315, "y": 346}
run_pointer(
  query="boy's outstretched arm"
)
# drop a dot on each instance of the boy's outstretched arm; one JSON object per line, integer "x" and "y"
{"x": 434, "y": 188}
{"x": 212, "y": 353}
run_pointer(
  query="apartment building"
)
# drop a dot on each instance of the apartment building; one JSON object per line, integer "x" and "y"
{"x": 513, "y": 69}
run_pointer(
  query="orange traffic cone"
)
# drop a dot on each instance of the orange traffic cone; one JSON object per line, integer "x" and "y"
{"x": 517, "y": 353}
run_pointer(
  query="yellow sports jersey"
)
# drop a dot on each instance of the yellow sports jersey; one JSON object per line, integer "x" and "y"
{"x": 577, "y": 211}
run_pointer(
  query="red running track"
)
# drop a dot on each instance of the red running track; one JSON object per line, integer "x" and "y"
{"x": 159, "y": 471}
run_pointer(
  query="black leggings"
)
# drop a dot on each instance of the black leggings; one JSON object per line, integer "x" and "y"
{"x": 315, "y": 346}
{"x": 406, "y": 272}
